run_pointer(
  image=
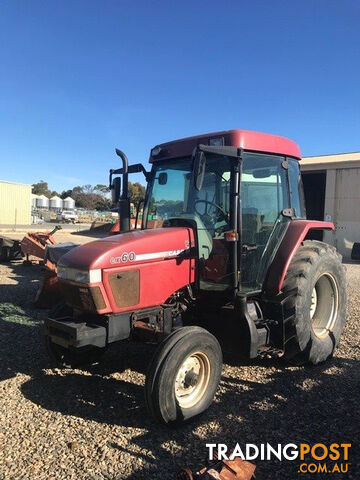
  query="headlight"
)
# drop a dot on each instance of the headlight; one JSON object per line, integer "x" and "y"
{"x": 80, "y": 276}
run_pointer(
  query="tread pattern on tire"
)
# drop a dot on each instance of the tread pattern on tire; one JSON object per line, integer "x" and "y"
{"x": 295, "y": 286}
{"x": 163, "y": 408}
{"x": 157, "y": 360}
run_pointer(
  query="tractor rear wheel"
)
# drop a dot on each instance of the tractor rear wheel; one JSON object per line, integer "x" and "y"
{"x": 183, "y": 375}
{"x": 314, "y": 303}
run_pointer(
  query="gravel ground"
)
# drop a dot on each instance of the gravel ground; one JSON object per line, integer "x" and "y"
{"x": 91, "y": 424}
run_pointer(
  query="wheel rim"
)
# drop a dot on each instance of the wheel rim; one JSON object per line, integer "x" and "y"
{"x": 313, "y": 303}
{"x": 192, "y": 379}
{"x": 324, "y": 305}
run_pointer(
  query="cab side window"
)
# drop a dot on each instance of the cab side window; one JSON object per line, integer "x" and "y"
{"x": 296, "y": 189}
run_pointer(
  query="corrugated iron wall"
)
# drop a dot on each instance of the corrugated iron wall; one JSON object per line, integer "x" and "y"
{"x": 345, "y": 203}
{"x": 15, "y": 204}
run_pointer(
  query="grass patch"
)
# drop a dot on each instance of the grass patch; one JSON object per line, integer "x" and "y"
{"x": 14, "y": 314}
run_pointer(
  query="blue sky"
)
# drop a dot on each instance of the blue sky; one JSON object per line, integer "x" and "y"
{"x": 79, "y": 78}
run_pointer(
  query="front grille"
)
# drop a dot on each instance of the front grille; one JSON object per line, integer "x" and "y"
{"x": 98, "y": 298}
{"x": 125, "y": 287}
{"x": 83, "y": 298}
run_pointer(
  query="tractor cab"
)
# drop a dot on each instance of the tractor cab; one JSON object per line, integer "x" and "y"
{"x": 238, "y": 202}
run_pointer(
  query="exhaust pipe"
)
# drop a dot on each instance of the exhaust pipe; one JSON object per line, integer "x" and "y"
{"x": 124, "y": 201}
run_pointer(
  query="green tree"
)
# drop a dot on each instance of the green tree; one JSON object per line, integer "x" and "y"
{"x": 136, "y": 192}
{"x": 88, "y": 188}
{"x": 88, "y": 197}
{"x": 66, "y": 193}
{"x": 102, "y": 189}
{"x": 41, "y": 188}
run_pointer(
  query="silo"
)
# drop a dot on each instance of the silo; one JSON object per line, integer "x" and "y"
{"x": 68, "y": 203}
{"x": 34, "y": 197}
{"x": 42, "y": 202}
{"x": 55, "y": 203}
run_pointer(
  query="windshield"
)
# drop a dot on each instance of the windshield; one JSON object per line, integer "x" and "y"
{"x": 173, "y": 194}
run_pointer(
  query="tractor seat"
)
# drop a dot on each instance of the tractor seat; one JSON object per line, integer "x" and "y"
{"x": 251, "y": 223}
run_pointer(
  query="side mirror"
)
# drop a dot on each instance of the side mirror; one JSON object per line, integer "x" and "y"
{"x": 199, "y": 169}
{"x": 163, "y": 178}
{"x": 115, "y": 190}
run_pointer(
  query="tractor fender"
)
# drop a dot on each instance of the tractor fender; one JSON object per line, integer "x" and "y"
{"x": 295, "y": 234}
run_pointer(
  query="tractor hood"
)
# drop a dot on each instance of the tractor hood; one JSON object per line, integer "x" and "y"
{"x": 138, "y": 246}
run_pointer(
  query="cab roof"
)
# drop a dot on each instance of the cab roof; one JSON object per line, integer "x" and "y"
{"x": 246, "y": 139}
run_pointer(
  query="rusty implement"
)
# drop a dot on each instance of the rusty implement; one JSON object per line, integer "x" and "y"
{"x": 34, "y": 244}
{"x": 236, "y": 469}
{"x": 49, "y": 292}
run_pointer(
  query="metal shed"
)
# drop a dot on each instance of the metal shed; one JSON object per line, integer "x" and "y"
{"x": 332, "y": 192}
{"x": 15, "y": 203}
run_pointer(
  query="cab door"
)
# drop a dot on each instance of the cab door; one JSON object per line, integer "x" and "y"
{"x": 264, "y": 197}
{"x": 212, "y": 207}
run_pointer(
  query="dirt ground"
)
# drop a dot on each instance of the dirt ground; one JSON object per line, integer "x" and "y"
{"x": 92, "y": 424}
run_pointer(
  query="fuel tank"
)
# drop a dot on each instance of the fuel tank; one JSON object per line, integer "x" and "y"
{"x": 133, "y": 270}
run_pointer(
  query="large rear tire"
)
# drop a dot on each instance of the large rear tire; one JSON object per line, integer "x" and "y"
{"x": 183, "y": 375}
{"x": 314, "y": 303}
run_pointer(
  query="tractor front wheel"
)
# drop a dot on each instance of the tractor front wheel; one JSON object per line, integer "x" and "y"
{"x": 183, "y": 375}
{"x": 314, "y": 303}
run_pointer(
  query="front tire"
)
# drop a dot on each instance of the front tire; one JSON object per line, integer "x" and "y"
{"x": 183, "y": 375}
{"x": 314, "y": 303}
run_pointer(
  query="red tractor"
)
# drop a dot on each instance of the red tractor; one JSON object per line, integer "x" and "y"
{"x": 223, "y": 257}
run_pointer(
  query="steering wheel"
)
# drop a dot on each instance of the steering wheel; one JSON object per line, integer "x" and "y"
{"x": 206, "y": 217}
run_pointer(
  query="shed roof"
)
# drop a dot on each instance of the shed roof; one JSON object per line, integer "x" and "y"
{"x": 16, "y": 183}
{"x": 325, "y": 162}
